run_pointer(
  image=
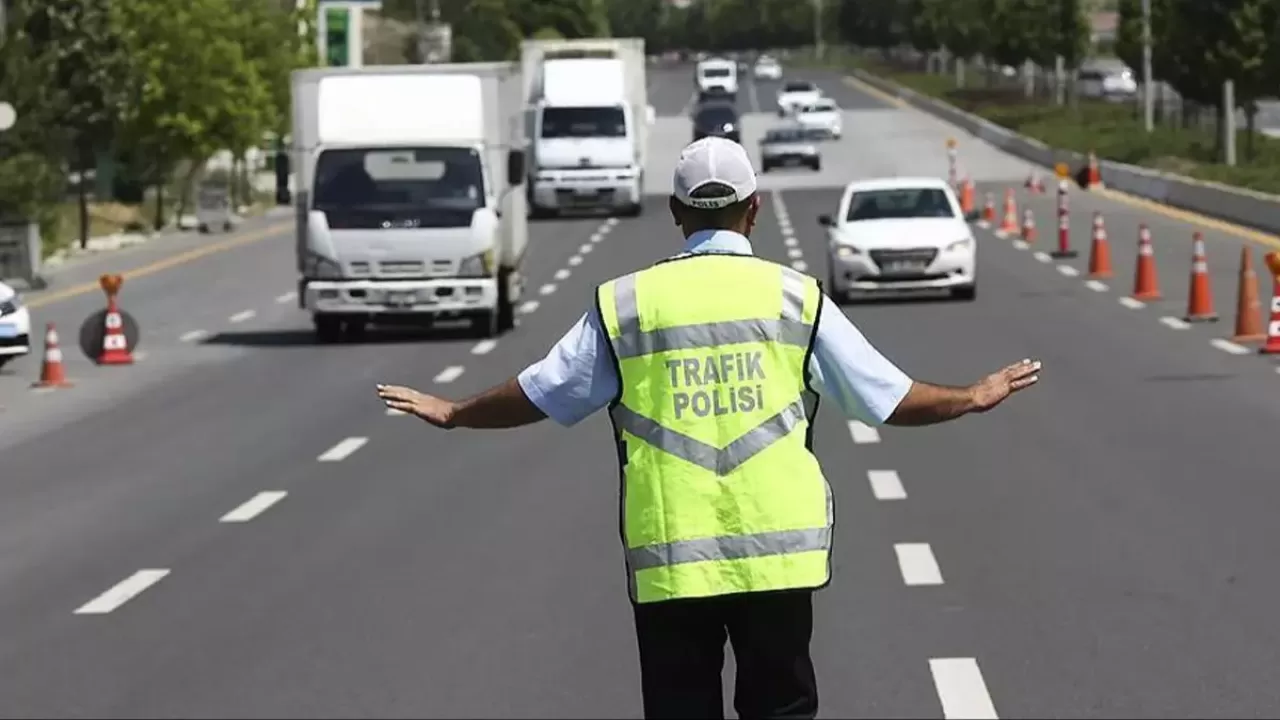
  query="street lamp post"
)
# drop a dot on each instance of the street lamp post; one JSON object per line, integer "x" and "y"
{"x": 817, "y": 29}
{"x": 1148, "y": 86}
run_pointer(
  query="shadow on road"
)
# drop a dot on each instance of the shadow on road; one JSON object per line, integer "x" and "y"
{"x": 306, "y": 337}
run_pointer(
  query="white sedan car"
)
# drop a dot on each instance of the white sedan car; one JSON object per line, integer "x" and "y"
{"x": 796, "y": 93}
{"x": 767, "y": 69}
{"x": 822, "y": 115}
{"x": 900, "y": 234}
{"x": 15, "y": 325}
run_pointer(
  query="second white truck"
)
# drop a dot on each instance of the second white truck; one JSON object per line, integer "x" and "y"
{"x": 410, "y": 205}
{"x": 588, "y": 123}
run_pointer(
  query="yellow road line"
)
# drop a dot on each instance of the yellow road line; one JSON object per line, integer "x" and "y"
{"x": 1227, "y": 228}
{"x": 155, "y": 267}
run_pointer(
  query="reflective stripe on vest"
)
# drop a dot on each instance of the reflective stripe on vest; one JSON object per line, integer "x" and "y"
{"x": 700, "y": 518}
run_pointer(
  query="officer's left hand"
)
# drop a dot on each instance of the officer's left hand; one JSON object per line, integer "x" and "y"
{"x": 437, "y": 411}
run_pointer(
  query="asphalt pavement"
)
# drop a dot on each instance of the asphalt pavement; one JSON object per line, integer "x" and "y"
{"x": 235, "y": 527}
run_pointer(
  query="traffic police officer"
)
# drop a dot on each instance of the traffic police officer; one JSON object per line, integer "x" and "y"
{"x": 711, "y": 363}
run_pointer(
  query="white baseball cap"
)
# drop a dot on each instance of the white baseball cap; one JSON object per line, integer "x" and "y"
{"x": 713, "y": 161}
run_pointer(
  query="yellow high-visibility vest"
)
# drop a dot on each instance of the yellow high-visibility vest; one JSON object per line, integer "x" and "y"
{"x": 721, "y": 493}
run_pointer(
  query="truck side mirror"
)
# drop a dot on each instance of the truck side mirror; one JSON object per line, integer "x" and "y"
{"x": 515, "y": 167}
{"x": 650, "y": 115}
{"x": 825, "y": 220}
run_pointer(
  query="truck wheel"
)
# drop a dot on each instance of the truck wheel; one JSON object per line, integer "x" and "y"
{"x": 328, "y": 328}
{"x": 506, "y": 311}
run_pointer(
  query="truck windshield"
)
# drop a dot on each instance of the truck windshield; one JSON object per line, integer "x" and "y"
{"x": 582, "y": 122}
{"x": 715, "y": 72}
{"x": 400, "y": 187}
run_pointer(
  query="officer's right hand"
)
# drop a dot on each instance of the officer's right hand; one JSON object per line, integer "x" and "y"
{"x": 993, "y": 389}
{"x": 437, "y": 411}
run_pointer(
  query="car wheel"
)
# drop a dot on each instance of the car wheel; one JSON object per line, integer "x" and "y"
{"x": 4, "y": 360}
{"x": 764, "y": 168}
{"x": 965, "y": 292}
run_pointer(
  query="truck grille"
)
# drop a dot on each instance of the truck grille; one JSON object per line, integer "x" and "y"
{"x": 914, "y": 259}
{"x": 402, "y": 267}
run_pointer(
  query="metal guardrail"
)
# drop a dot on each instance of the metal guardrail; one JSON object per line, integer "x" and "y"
{"x": 1252, "y": 209}
{"x": 20, "y": 254}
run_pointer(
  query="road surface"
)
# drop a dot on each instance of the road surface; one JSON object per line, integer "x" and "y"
{"x": 234, "y": 527}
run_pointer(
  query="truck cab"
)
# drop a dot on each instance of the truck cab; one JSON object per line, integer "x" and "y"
{"x": 717, "y": 77}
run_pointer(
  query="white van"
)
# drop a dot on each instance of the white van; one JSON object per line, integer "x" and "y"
{"x": 717, "y": 77}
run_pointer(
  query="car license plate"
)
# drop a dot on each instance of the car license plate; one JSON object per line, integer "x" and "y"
{"x": 584, "y": 192}
{"x": 401, "y": 299}
{"x": 903, "y": 267}
{"x": 8, "y": 331}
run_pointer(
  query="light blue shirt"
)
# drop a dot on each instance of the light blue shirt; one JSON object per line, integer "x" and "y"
{"x": 578, "y": 376}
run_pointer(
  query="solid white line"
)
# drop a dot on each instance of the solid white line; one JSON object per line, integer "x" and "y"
{"x": 449, "y": 374}
{"x": 242, "y": 316}
{"x": 918, "y": 565}
{"x": 575, "y": 260}
{"x": 1175, "y": 323}
{"x": 529, "y": 307}
{"x": 343, "y": 450}
{"x": 484, "y": 347}
{"x": 886, "y": 485}
{"x": 790, "y": 241}
{"x": 961, "y": 689}
{"x": 1068, "y": 270}
{"x": 794, "y": 253}
{"x": 1131, "y": 303}
{"x": 123, "y": 592}
{"x": 193, "y": 336}
{"x": 287, "y": 297}
{"x": 1043, "y": 257}
{"x": 800, "y": 265}
{"x": 547, "y": 289}
{"x": 254, "y": 506}
{"x": 863, "y": 433}
{"x": 562, "y": 274}
{"x": 1229, "y": 347}
{"x": 586, "y": 248}
{"x": 1096, "y": 285}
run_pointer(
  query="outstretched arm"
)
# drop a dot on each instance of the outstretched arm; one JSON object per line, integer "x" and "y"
{"x": 502, "y": 406}
{"x": 927, "y": 404}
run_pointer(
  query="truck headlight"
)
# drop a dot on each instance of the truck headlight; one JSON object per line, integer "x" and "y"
{"x": 847, "y": 251}
{"x": 318, "y": 267}
{"x": 958, "y": 245}
{"x": 479, "y": 265}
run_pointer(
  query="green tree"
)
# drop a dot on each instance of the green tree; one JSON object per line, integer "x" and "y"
{"x": 484, "y": 30}
{"x": 571, "y": 18}
{"x": 635, "y": 18}
{"x": 872, "y": 23}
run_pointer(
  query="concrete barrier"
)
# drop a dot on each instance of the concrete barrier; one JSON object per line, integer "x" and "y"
{"x": 1249, "y": 208}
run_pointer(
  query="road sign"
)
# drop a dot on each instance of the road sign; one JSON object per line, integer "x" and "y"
{"x": 7, "y": 116}
{"x": 1062, "y": 170}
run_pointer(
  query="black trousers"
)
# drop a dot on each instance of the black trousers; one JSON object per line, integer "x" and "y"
{"x": 682, "y": 655}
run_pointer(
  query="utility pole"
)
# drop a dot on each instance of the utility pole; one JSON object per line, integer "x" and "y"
{"x": 1148, "y": 84}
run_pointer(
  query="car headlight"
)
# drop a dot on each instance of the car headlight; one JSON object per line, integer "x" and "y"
{"x": 958, "y": 245}
{"x": 728, "y": 127}
{"x": 847, "y": 251}
{"x": 478, "y": 265}
{"x": 318, "y": 267}
{"x": 10, "y": 306}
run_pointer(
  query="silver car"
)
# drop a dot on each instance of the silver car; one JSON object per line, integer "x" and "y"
{"x": 783, "y": 147}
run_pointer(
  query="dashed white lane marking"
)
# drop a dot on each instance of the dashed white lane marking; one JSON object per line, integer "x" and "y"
{"x": 562, "y": 274}
{"x": 790, "y": 241}
{"x": 586, "y": 248}
{"x": 800, "y": 265}
{"x": 242, "y": 316}
{"x": 484, "y": 347}
{"x": 1096, "y": 286}
{"x": 287, "y": 297}
{"x": 1175, "y": 323}
{"x": 139, "y": 355}
{"x": 575, "y": 260}
{"x": 1227, "y": 346}
{"x": 529, "y": 306}
{"x": 1002, "y": 234}
{"x": 1043, "y": 257}
{"x": 886, "y": 485}
{"x": 918, "y": 565}
{"x": 254, "y": 506}
{"x": 1068, "y": 270}
{"x": 449, "y": 374}
{"x": 961, "y": 689}
{"x": 343, "y": 450}
{"x": 122, "y": 592}
{"x": 794, "y": 253}
{"x": 193, "y": 336}
{"x": 597, "y": 237}
{"x": 1021, "y": 245}
{"x": 547, "y": 289}
{"x": 984, "y": 224}
{"x": 1131, "y": 303}
{"x": 863, "y": 433}
{"x": 611, "y": 222}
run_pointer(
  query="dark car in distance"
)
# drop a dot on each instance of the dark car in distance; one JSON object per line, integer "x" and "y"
{"x": 718, "y": 119}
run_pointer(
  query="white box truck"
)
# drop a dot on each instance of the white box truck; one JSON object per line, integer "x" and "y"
{"x": 588, "y": 122}
{"x": 409, "y": 200}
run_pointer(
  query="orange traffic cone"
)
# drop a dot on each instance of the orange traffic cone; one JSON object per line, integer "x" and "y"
{"x": 1200, "y": 297}
{"x": 115, "y": 346}
{"x": 1248, "y": 306}
{"x": 1146, "y": 286}
{"x": 1095, "y": 173}
{"x": 1028, "y": 227}
{"x": 989, "y": 210}
{"x": 1034, "y": 184}
{"x": 1272, "y": 345}
{"x": 966, "y": 196}
{"x": 52, "y": 373}
{"x": 1010, "y": 224}
{"x": 1100, "y": 251}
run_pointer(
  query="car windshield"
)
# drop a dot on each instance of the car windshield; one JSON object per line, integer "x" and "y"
{"x": 821, "y": 107}
{"x": 899, "y": 204}
{"x": 410, "y": 187}
{"x": 716, "y": 115}
{"x": 580, "y": 122}
{"x": 716, "y": 72}
{"x": 798, "y": 87}
{"x": 790, "y": 135}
